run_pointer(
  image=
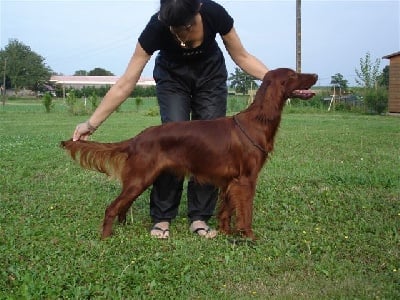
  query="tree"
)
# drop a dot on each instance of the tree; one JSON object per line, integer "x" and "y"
{"x": 81, "y": 73}
{"x": 368, "y": 73}
{"x": 100, "y": 72}
{"x": 24, "y": 67}
{"x": 338, "y": 80}
{"x": 383, "y": 78}
{"x": 375, "y": 96}
{"x": 241, "y": 81}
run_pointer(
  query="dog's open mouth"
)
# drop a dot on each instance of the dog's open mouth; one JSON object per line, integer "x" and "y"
{"x": 303, "y": 94}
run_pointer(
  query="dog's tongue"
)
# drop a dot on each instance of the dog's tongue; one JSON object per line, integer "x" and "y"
{"x": 303, "y": 93}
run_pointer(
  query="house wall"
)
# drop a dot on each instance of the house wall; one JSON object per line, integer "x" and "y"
{"x": 394, "y": 85}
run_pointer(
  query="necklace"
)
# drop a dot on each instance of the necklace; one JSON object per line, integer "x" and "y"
{"x": 182, "y": 42}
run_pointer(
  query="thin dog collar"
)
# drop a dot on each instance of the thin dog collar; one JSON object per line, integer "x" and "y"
{"x": 248, "y": 137}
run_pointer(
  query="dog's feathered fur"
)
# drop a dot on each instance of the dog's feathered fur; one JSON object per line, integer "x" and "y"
{"x": 227, "y": 152}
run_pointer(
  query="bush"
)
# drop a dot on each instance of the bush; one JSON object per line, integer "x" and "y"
{"x": 75, "y": 107}
{"x": 94, "y": 101}
{"x": 342, "y": 106}
{"x": 78, "y": 106}
{"x": 152, "y": 112}
{"x": 376, "y": 100}
{"x": 138, "y": 103}
{"x": 48, "y": 102}
{"x": 144, "y": 91}
{"x": 236, "y": 103}
{"x": 315, "y": 102}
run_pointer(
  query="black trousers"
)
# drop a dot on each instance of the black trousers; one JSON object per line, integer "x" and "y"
{"x": 187, "y": 91}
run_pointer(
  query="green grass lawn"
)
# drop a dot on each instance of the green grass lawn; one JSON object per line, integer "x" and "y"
{"x": 327, "y": 217}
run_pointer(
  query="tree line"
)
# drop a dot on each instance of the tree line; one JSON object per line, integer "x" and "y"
{"x": 24, "y": 68}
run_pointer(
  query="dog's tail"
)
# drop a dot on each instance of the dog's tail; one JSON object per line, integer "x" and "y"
{"x": 108, "y": 158}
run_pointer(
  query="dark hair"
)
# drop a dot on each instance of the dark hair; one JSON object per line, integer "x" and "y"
{"x": 178, "y": 12}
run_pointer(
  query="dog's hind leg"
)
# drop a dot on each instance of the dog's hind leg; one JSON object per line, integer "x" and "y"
{"x": 125, "y": 205}
{"x": 131, "y": 189}
{"x": 125, "y": 199}
{"x": 137, "y": 176}
{"x": 123, "y": 209}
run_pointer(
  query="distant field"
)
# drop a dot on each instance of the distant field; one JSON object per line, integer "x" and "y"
{"x": 327, "y": 216}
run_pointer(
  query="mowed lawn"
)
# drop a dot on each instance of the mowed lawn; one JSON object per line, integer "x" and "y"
{"x": 326, "y": 213}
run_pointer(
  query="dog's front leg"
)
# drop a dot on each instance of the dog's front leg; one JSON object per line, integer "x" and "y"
{"x": 225, "y": 213}
{"x": 244, "y": 223}
{"x": 242, "y": 194}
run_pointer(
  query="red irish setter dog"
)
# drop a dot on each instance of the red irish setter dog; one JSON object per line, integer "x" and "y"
{"x": 227, "y": 152}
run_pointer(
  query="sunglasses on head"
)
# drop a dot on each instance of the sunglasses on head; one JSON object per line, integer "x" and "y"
{"x": 180, "y": 28}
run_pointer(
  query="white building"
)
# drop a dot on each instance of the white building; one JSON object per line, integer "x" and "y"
{"x": 78, "y": 82}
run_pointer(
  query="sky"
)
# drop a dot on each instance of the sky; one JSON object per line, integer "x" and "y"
{"x": 83, "y": 35}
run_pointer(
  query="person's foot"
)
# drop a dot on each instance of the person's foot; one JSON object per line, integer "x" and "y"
{"x": 160, "y": 230}
{"x": 201, "y": 228}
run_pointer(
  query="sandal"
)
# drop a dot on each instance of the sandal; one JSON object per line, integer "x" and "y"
{"x": 158, "y": 232}
{"x": 200, "y": 228}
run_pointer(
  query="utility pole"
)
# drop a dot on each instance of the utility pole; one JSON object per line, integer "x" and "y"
{"x": 4, "y": 81}
{"x": 298, "y": 35}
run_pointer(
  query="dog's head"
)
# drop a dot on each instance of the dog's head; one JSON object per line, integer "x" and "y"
{"x": 291, "y": 83}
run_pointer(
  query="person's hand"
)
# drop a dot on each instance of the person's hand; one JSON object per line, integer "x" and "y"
{"x": 83, "y": 131}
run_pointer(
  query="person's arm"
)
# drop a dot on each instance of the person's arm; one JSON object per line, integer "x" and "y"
{"x": 241, "y": 57}
{"x": 118, "y": 93}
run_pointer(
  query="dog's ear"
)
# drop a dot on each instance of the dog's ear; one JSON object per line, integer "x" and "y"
{"x": 271, "y": 102}
{"x": 267, "y": 82}
{"x": 262, "y": 90}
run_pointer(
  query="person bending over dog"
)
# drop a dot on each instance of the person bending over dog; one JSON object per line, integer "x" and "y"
{"x": 191, "y": 83}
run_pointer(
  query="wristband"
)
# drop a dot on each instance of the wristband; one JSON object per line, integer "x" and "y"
{"x": 90, "y": 127}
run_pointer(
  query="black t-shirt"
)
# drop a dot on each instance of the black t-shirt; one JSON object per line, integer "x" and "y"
{"x": 157, "y": 36}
